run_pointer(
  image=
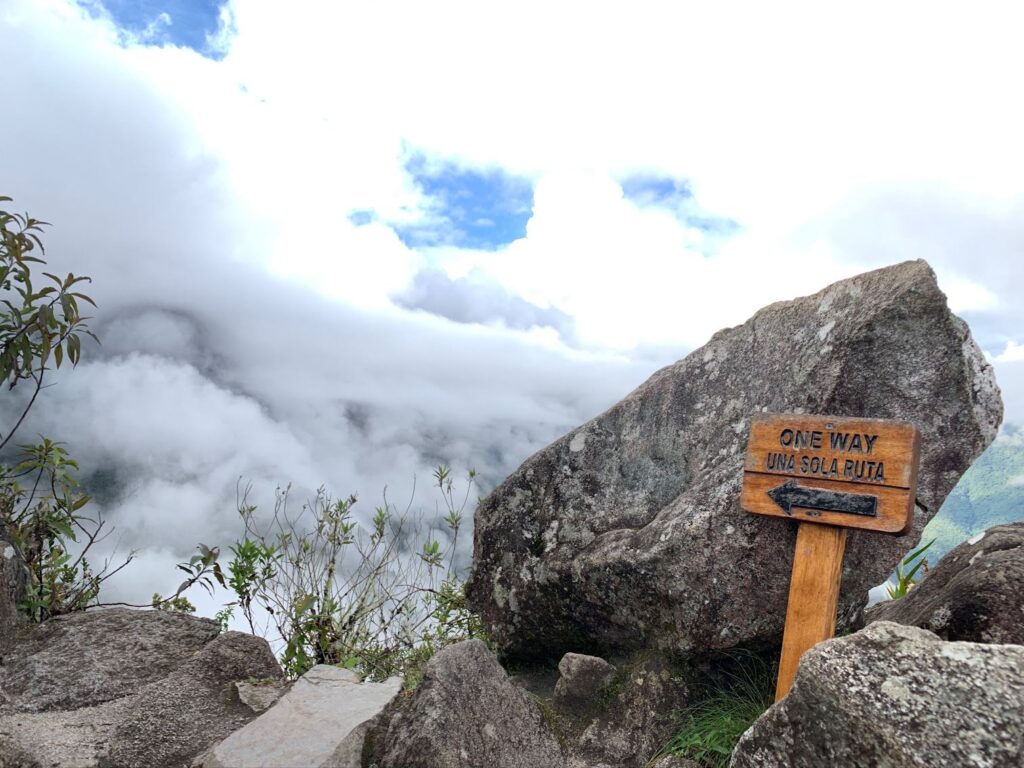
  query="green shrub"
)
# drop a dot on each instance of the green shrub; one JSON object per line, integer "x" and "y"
{"x": 381, "y": 601}
{"x": 176, "y": 604}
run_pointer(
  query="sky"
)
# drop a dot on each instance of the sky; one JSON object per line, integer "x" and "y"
{"x": 341, "y": 243}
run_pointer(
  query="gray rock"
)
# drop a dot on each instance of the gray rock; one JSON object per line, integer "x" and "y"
{"x": 580, "y": 683}
{"x": 895, "y": 697}
{"x": 172, "y": 719}
{"x": 259, "y": 695}
{"x": 13, "y": 582}
{"x": 976, "y": 592}
{"x": 84, "y": 659}
{"x": 349, "y": 753}
{"x": 113, "y": 715}
{"x": 638, "y": 718}
{"x": 309, "y": 726}
{"x": 465, "y": 713}
{"x": 627, "y": 532}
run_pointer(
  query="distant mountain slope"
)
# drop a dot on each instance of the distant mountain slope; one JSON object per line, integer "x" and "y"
{"x": 990, "y": 492}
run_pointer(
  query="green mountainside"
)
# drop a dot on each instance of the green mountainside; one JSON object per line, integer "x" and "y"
{"x": 991, "y": 492}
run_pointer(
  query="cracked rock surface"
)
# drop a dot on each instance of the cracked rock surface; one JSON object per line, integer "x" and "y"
{"x": 627, "y": 532}
{"x": 120, "y": 687}
{"x": 892, "y": 695}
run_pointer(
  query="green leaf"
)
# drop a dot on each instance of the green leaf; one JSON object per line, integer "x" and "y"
{"x": 918, "y": 552}
{"x": 64, "y": 529}
{"x": 303, "y": 604}
{"x": 913, "y": 571}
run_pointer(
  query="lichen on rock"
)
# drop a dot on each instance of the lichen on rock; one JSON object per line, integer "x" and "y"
{"x": 627, "y": 533}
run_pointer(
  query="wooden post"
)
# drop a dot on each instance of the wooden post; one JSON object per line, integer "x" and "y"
{"x": 829, "y": 473}
{"x": 813, "y": 596}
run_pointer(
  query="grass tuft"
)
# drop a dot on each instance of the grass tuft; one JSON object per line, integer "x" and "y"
{"x": 744, "y": 689}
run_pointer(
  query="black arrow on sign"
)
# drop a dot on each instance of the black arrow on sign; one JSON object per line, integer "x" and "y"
{"x": 790, "y": 494}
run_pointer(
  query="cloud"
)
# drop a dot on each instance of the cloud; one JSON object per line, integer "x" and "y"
{"x": 291, "y": 237}
{"x": 1010, "y": 376}
{"x": 631, "y": 274}
{"x": 476, "y": 299}
{"x": 356, "y": 116}
{"x": 1013, "y": 353}
{"x": 236, "y": 346}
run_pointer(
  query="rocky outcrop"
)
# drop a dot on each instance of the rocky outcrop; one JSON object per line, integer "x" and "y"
{"x": 465, "y": 713}
{"x": 124, "y": 688}
{"x": 312, "y": 725}
{"x": 627, "y": 532}
{"x": 84, "y": 659}
{"x": 892, "y": 695}
{"x": 975, "y": 593}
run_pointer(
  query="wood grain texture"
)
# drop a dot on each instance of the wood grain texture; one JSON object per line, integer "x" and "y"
{"x": 839, "y": 455}
{"x": 813, "y": 596}
{"x": 895, "y": 506}
{"x": 895, "y": 444}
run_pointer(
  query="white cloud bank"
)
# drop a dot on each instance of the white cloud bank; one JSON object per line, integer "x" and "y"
{"x": 249, "y": 326}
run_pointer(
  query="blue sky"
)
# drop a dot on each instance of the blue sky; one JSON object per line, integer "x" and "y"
{"x": 477, "y": 208}
{"x": 186, "y": 23}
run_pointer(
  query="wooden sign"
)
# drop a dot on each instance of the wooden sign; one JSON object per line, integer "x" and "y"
{"x": 854, "y": 473}
{"x": 829, "y": 473}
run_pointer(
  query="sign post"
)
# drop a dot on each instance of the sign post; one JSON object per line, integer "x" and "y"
{"x": 830, "y": 474}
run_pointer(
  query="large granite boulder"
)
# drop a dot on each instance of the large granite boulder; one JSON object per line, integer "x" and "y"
{"x": 975, "y": 593}
{"x": 124, "y": 688}
{"x": 316, "y": 724}
{"x": 892, "y": 695}
{"x": 465, "y": 713}
{"x": 627, "y": 532}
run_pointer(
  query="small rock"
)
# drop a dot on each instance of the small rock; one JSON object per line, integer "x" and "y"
{"x": 259, "y": 695}
{"x": 638, "y": 718}
{"x": 581, "y": 680}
